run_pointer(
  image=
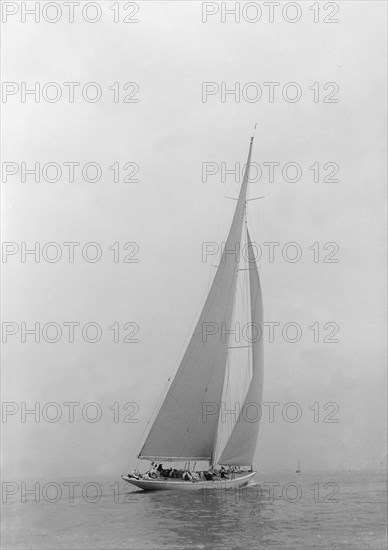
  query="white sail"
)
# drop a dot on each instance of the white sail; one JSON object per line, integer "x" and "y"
{"x": 181, "y": 429}
{"x": 240, "y": 448}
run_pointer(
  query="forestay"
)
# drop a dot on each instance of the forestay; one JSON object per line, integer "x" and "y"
{"x": 180, "y": 430}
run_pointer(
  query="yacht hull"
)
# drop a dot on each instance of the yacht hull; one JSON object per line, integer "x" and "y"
{"x": 178, "y": 485}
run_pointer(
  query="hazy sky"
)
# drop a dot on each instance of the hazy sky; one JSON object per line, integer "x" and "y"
{"x": 170, "y": 212}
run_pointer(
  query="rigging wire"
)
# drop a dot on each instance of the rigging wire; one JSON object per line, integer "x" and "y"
{"x": 177, "y": 363}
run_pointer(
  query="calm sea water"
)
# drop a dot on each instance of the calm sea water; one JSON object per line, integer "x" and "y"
{"x": 333, "y": 510}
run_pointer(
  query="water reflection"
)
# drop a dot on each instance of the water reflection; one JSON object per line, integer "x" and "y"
{"x": 353, "y": 520}
{"x": 211, "y": 519}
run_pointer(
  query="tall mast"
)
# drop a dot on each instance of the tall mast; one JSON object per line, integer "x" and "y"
{"x": 246, "y": 172}
{"x": 242, "y": 196}
{"x": 241, "y": 445}
{"x": 179, "y": 431}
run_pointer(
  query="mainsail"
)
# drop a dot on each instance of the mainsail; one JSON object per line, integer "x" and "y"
{"x": 240, "y": 448}
{"x": 181, "y": 430}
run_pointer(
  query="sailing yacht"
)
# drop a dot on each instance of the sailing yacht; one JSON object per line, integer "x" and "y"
{"x": 180, "y": 432}
{"x": 298, "y": 467}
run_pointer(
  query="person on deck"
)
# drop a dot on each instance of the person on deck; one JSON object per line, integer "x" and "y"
{"x": 223, "y": 473}
{"x": 153, "y": 471}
